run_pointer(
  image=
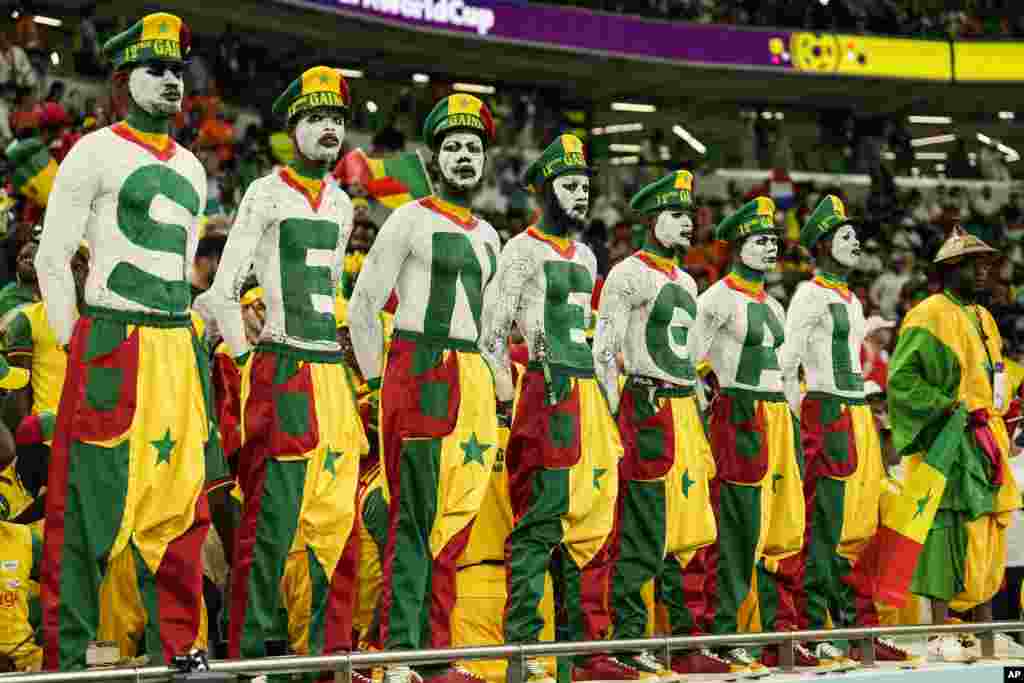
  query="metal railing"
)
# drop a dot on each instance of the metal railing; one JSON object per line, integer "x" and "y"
{"x": 344, "y": 664}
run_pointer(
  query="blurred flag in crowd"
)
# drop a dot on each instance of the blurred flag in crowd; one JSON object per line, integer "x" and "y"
{"x": 781, "y": 187}
{"x": 392, "y": 182}
{"x": 34, "y": 169}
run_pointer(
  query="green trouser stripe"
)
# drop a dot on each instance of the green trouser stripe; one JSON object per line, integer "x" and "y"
{"x": 97, "y": 487}
{"x": 673, "y": 596}
{"x": 739, "y": 526}
{"x": 941, "y": 568}
{"x": 151, "y": 643}
{"x": 641, "y": 553}
{"x": 822, "y": 572}
{"x": 319, "y": 585}
{"x": 767, "y": 598}
{"x": 412, "y": 565}
{"x": 531, "y": 541}
{"x": 216, "y": 465}
{"x": 280, "y": 503}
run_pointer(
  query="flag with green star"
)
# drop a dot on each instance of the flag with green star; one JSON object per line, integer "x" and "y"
{"x": 164, "y": 446}
{"x": 957, "y": 466}
{"x": 473, "y": 451}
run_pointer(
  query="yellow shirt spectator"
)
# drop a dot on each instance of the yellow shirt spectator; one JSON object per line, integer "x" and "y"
{"x": 21, "y": 551}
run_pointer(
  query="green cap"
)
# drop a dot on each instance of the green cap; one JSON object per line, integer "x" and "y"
{"x": 829, "y": 215}
{"x": 564, "y": 155}
{"x": 756, "y": 216}
{"x": 674, "y": 191}
{"x": 459, "y": 111}
{"x": 159, "y": 37}
{"x": 320, "y": 86}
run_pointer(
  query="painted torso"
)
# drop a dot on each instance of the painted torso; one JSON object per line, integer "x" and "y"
{"x": 749, "y": 331}
{"x": 825, "y": 329}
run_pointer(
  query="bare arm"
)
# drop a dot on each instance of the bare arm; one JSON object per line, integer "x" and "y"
{"x": 223, "y": 297}
{"x": 621, "y": 293}
{"x": 376, "y": 280}
{"x": 501, "y": 306}
{"x": 801, "y": 319}
{"x": 67, "y": 215}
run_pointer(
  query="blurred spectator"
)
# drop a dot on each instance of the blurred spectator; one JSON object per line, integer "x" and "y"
{"x": 88, "y": 52}
{"x": 885, "y": 292}
{"x": 204, "y": 269}
{"x": 17, "y": 78}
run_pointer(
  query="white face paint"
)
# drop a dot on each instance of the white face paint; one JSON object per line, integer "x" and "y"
{"x": 319, "y": 133}
{"x": 846, "y": 246}
{"x": 461, "y": 159}
{"x": 674, "y": 229}
{"x": 760, "y": 252}
{"x": 573, "y": 194}
{"x": 157, "y": 88}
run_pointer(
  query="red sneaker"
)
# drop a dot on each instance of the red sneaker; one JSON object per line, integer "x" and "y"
{"x": 604, "y": 669}
{"x": 708, "y": 665}
{"x": 455, "y": 674}
{"x": 886, "y": 651}
{"x": 802, "y": 657}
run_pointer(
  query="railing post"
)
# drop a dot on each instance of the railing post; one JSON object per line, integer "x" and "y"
{"x": 867, "y": 653}
{"x": 516, "y": 667}
{"x": 787, "y": 658}
{"x": 668, "y": 654}
{"x": 988, "y": 645}
{"x": 344, "y": 674}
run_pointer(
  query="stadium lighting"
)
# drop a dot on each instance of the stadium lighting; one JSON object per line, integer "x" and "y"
{"x": 1007, "y": 116}
{"x": 1010, "y": 152}
{"x": 779, "y": 116}
{"x": 351, "y": 73}
{"x": 634, "y": 107}
{"x": 618, "y": 128}
{"x": 624, "y": 149}
{"x": 931, "y": 156}
{"x": 55, "y": 58}
{"x": 933, "y": 140}
{"x": 689, "y": 139}
{"x": 475, "y": 88}
{"x": 371, "y": 106}
{"x": 941, "y": 168}
{"x": 15, "y": 14}
{"x": 421, "y": 79}
{"x": 47, "y": 21}
{"x": 930, "y": 119}
{"x": 889, "y": 156}
{"x": 984, "y": 139}
{"x": 625, "y": 161}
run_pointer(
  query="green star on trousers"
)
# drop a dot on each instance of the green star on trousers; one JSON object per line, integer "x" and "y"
{"x": 687, "y": 483}
{"x": 332, "y": 457}
{"x": 922, "y": 503}
{"x": 473, "y": 450}
{"x": 775, "y": 482}
{"x": 598, "y": 473}
{"x": 163, "y": 447}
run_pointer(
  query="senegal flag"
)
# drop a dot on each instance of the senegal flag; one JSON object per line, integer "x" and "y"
{"x": 34, "y": 169}
{"x": 942, "y": 535}
{"x": 392, "y": 182}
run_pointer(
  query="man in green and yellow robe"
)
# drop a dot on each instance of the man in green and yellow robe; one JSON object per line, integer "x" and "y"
{"x": 945, "y": 536}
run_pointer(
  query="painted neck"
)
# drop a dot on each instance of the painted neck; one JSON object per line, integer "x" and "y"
{"x": 652, "y": 245}
{"x": 459, "y": 198}
{"x": 834, "y": 276}
{"x": 307, "y": 168}
{"x": 144, "y": 122}
{"x": 747, "y": 273}
{"x": 551, "y": 227}
{"x": 828, "y": 265}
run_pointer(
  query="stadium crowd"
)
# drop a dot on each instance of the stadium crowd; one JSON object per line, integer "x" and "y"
{"x": 900, "y": 233}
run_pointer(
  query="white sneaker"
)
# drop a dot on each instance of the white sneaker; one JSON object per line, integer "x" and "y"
{"x": 398, "y": 674}
{"x": 650, "y": 667}
{"x": 536, "y": 672}
{"x": 948, "y": 648}
{"x": 832, "y": 658}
